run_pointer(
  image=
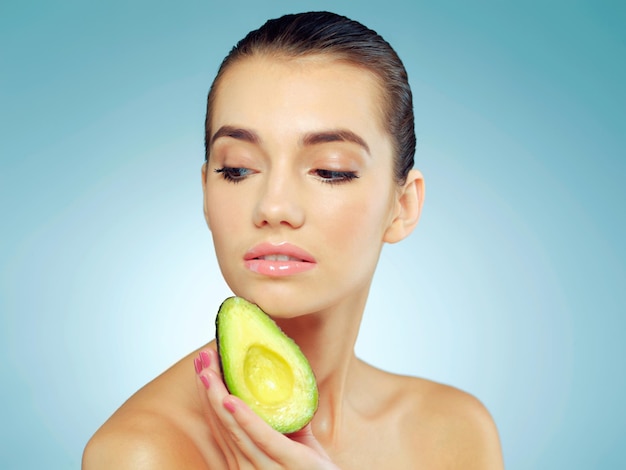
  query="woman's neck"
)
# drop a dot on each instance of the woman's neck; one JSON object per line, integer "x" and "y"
{"x": 327, "y": 339}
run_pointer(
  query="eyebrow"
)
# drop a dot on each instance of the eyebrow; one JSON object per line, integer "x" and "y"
{"x": 238, "y": 133}
{"x": 309, "y": 139}
{"x": 334, "y": 135}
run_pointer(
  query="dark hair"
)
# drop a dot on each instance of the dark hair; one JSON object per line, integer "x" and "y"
{"x": 345, "y": 40}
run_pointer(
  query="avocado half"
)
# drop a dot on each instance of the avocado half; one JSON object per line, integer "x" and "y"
{"x": 264, "y": 367}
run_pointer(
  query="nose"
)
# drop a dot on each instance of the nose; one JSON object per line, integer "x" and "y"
{"x": 279, "y": 203}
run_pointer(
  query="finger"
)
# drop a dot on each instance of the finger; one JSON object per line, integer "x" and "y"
{"x": 305, "y": 436}
{"x": 219, "y": 396}
{"x": 211, "y": 420}
{"x": 202, "y": 363}
{"x": 288, "y": 451}
{"x": 239, "y": 435}
{"x": 214, "y": 361}
{"x": 232, "y": 436}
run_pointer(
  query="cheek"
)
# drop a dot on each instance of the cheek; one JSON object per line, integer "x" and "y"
{"x": 361, "y": 220}
{"x": 222, "y": 214}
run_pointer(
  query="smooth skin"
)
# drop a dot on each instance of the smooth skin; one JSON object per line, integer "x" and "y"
{"x": 301, "y": 156}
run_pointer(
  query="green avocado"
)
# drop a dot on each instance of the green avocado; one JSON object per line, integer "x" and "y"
{"x": 264, "y": 367}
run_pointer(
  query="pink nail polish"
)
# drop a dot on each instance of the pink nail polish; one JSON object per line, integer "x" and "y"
{"x": 206, "y": 360}
{"x": 230, "y": 407}
{"x": 197, "y": 363}
{"x": 205, "y": 381}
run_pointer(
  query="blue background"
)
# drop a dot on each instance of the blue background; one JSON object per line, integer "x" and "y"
{"x": 513, "y": 287}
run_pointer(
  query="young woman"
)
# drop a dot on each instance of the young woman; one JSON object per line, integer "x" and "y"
{"x": 308, "y": 172}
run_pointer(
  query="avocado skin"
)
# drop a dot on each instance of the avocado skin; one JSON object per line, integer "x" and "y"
{"x": 256, "y": 357}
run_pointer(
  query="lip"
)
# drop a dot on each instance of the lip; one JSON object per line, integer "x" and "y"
{"x": 286, "y": 259}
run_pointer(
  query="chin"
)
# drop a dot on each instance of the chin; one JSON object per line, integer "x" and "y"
{"x": 277, "y": 307}
{"x": 288, "y": 298}
{"x": 283, "y": 303}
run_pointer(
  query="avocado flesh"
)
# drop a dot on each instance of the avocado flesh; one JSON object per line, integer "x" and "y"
{"x": 264, "y": 367}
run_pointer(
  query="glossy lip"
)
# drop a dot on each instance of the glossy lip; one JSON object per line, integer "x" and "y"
{"x": 300, "y": 261}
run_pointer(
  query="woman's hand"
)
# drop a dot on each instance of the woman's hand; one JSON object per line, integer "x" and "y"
{"x": 244, "y": 438}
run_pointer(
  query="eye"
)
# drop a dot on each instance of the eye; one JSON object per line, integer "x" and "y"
{"x": 335, "y": 177}
{"x": 233, "y": 174}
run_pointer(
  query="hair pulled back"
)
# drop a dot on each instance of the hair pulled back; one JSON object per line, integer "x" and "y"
{"x": 342, "y": 39}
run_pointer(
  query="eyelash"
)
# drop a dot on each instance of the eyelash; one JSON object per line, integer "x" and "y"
{"x": 335, "y": 177}
{"x": 233, "y": 174}
{"x": 237, "y": 174}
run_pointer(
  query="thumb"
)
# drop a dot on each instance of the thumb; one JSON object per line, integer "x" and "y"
{"x": 305, "y": 436}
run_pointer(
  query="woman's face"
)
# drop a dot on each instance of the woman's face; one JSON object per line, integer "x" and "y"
{"x": 298, "y": 190}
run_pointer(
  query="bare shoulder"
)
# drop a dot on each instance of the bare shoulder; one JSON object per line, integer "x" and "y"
{"x": 440, "y": 425}
{"x": 158, "y": 427}
{"x": 141, "y": 441}
{"x": 459, "y": 427}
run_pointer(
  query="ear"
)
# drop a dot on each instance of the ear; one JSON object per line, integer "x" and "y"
{"x": 408, "y": 208}
{"x": 204, "y": 194}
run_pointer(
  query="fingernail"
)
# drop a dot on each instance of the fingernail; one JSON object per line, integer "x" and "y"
{"x": 205, "y": 381}
{"x": 206, "y": 360}
{"x": 197, "y": 363}
{"x": 229, "y": 406}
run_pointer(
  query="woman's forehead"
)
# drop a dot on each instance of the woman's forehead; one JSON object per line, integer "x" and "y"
{"x": 314, "y": 88}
